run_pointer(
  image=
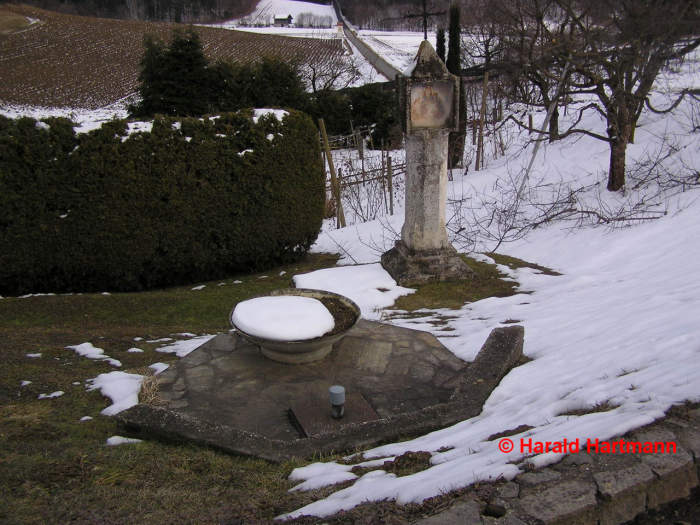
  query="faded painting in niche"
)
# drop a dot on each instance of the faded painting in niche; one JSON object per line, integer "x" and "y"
{"x": 431, "y": 104}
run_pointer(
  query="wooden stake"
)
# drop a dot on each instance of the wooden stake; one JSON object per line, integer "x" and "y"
{"x": 390, "y": 184}
{"x": 482, "y": 117}
{"x": 383, "y": 181}
{"x": 335, "y": 187}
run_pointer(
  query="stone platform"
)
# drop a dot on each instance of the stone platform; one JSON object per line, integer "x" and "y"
{"x": 398, "y": 382}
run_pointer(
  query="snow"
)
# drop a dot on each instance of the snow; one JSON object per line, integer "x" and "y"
{"x": 618, "y": 328}
{"x": 399, "y": 48}
{"x": 25, "y": 383}
{"x": 86, "y": 418}
{"x": 120, "y": 440}
{"x": 135, "y": 351}
{"x": 34, "y": 356}
{"x": 201, "y": 286}
{"x": 182, "y": 348}
{"x": 279, "y": 114}
{"x": 369, "y": 286}
{"x": 283, "y": 318}
{"x": 158, "y": 368}
{"x": 52, "y": 395}
{"x": 92, "y": 352}
{"x": 322, "y": 476}
{"x": 122, "y": 388}
{"x": 138, "y": 127}
{"x": 86, "y": 119}
{"x": 267, "y": 10}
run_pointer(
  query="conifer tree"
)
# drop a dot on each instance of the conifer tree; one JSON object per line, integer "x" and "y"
{"x": 453, "y": 63}
{"x": 454, "y": 43}
{"x": 440, "y": 43}
{"x": 151, "y": 77}
{"x": 175, "y": 79}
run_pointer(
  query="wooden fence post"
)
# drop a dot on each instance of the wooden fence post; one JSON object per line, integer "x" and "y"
{"x": 384, "y": 184}
{"x": 335, "y": 186}
{"x": 390, "y": 184}
{"x": 482, "y": 118}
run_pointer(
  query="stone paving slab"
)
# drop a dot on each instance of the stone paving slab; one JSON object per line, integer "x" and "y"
{"x": 310, "y": 414}
{"x": 226, "y": 394}
{"x": 595, "y": 488}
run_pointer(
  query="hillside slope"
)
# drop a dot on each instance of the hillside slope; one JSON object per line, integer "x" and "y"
{"x": 81, "y": 62}
{"x": 190, "y": 11}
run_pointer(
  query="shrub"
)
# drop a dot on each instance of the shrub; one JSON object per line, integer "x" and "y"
{"x": 175, "y": 79}
{"x": 183, "y": 203}
{"x": 267, "y": 83}
{"x": 373, "y": 105}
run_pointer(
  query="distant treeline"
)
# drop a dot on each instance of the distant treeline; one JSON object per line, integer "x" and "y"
{"x": 185, "y": 11}
{"x": 379, "y": 14}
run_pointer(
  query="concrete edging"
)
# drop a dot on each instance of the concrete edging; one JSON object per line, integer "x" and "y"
{"x": 591, "y": 488}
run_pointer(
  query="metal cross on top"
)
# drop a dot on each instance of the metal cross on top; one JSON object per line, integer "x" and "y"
{"x": 424, "y": 15}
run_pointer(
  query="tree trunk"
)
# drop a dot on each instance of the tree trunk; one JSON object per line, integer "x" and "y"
{"x": 616, "y": 175}
{"x": 554, "y": 125}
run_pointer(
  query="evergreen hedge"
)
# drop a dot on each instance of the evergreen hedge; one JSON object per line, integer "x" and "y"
{"x": 194, "y": 199}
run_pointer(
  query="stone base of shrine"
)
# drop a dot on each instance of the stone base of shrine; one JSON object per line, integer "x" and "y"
{"x": 413, "y": 267}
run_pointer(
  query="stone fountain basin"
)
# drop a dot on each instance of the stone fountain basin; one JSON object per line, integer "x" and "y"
{"x": 306, "y": 350}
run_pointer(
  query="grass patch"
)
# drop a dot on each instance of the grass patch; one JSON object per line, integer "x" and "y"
{"x": 513, "y": 263}
{"x": 12, "y": 23}
{"x": 488, "y": 282}
{"x": 57, "y": 469}
{"x": 510, "y": 432}
{"x": 598, "y": 407}
{"x": 403, "y": 465}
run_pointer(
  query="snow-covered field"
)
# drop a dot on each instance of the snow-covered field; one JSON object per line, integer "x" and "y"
{"x": 267, "y": 10}
{"x": 397, "y": 47}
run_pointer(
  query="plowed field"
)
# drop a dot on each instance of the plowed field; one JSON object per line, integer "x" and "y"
{"x": 73, "y": 61}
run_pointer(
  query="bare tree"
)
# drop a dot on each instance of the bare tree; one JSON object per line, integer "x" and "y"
{"x": 616, "y": 49}
{"x": 533, "y": 31}
{"x": 335, "y": 73}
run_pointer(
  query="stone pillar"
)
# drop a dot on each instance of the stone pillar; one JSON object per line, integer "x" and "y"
{"x": 426, "y": 190}
{"x": 430, "y": 100}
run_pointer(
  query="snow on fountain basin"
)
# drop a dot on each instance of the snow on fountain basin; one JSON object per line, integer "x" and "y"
{"x": 283, "y": 318}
